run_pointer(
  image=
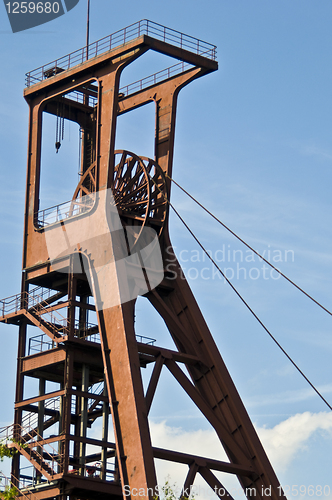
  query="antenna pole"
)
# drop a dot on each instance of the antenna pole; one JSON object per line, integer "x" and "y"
{"x": 87, "y": 30}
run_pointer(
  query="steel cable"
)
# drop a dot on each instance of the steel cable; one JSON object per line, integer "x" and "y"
{"x": 252, "y": 249}
{"x": 240, "y": 296}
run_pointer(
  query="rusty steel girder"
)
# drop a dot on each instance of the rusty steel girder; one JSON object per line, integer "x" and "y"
{"x": 89, "y": 94}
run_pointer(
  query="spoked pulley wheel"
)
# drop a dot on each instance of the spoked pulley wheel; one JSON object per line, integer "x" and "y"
{"x": 139, "y": 191}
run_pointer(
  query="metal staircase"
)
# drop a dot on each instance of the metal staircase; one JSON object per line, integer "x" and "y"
{"x": 42, "y": 311}
{"x": 21, "y": 492}
{"x": 31, "y": 445}
{"x": 30, "y": 419}
{"x": 36, "y": 306}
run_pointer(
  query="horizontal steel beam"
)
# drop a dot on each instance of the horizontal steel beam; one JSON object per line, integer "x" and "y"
{"x": 185, "y": 458}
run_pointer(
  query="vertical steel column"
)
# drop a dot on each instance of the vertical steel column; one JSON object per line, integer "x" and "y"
{"x": 41, "y": 415}
{"x": 72, "y": 286}
{"x": 84, "y": 416}
{"x": 22, "y": 339}
{"x": 61, "y": 448}
{"x": 104, "y": 435}
{"x": 67, "y": 399}
{"x": 83, "y": 316}
{"x": 41, "y": 407}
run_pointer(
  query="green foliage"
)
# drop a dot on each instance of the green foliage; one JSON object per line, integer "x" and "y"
{"x": 6, "y": 452}
{"x": 9, "y": 493}
{"x": 25, "y": 446}
{"x": 168, "y": 492}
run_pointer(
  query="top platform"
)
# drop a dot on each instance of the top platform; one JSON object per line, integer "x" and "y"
{"x": 118, "y": 39}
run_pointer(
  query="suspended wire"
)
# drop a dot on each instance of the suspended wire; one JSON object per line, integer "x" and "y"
{"x": 63, "y": 122}
{"x": 252, "y": 249}
{"x": 57, "y": 128}
{"x": 240, "y": 296}
{"x": 60, "y": 126}
{"x": 80, "y": 170}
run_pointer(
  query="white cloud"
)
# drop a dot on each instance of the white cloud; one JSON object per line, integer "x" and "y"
{"x": 200, "y": 442}
{"x": 289, "y": 437}
{"x": 282, "y": 444}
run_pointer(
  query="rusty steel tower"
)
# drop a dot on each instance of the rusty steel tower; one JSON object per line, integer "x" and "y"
{"x": 79, "y": 358}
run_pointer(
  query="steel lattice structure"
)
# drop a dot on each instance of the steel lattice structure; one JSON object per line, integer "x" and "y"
{"x": 90, "y": 371}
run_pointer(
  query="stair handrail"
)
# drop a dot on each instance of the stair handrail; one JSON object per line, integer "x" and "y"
{"x": 100, "y": 391}
{"x": 20, "y": 490}
{"x": 55, "y": 321}
{"x": 22, "y": 300}
{"x": 40, "y": 309}
{"x": 10, "y": 304}
{"x": 26, "y": 417}
{"x": 31, "y": 444}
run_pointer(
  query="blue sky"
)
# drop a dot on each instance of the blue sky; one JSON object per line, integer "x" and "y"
{"x": 253, "y": 143}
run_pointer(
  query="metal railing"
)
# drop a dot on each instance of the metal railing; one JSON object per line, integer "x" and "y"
{"x": 82, "y": 98}
{"x": 6, "y": 483}
{"x": 29, "y": 478}
{"x": 33, "y": 302}
{"x": 30, "y": 419}
{"x": 117, "y": 39}
{"x": 95, "y": 470}
{"x": 97, "y": 391}
{"x": 10, "y": 304}
{"x": 64, "y": 211}
{"x": 82, "y": 331}
{"x": 40, "y": 343}
{"x": 153, "y": 79}
{"x": 95, "y": 337}
{"x": 24, "y": 300}
{"x": 29, "y": 440}
{"x": 55, "y": 319}
{"x": 145, "y": 340}
{"x": 39, "y": 294}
